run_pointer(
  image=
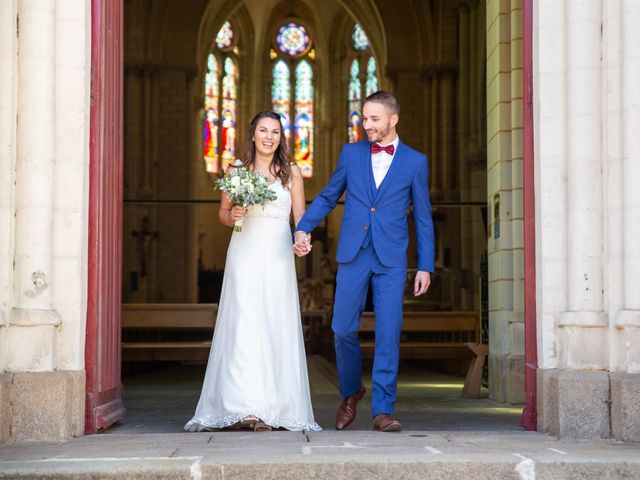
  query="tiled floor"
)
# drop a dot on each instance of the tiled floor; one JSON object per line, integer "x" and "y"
{"x": 162, "y": 400}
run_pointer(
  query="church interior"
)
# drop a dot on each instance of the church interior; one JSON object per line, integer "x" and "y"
{"x": 195, "y": 73}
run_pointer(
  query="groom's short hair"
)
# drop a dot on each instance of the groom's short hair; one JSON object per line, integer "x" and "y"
{"x": 386, "y": 99}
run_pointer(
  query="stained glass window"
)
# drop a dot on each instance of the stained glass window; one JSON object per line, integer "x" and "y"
{"x": 363, "y": 81}
{"x": 355, "y": 103}
{"x": 372, "y": 76}
{"x": 292, "y": 90}
{"x": 281, "y": 94}
{"x": 292, "y": 39}
{"x": 303, "y": 127}
{"x": 221, "y": 102}
{"x": 225, "y": 36}
{"x": 360, "y": 40}
{"x": 229, "y": 111}
{"x": 211, "y": 119}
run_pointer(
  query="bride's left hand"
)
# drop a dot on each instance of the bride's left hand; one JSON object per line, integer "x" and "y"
{"x": 302, "y": 245}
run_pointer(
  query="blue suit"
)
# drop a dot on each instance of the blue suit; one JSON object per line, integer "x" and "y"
{"x": 372, "y": 249}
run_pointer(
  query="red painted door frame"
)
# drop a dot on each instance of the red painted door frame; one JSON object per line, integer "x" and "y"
{"x": 104, "y": 405}
{"x": 529, "y": 419}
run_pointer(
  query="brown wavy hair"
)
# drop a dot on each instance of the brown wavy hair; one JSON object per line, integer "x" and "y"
{"x": 281, "y": 164}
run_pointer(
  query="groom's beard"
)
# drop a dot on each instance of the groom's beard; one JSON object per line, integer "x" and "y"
{"x": 379, "y": 134}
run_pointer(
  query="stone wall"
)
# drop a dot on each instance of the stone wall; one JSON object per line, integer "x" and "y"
{"x": 44, "y": 159}
{"x": 504, "y": 198}
{"x": 586, "y": 97}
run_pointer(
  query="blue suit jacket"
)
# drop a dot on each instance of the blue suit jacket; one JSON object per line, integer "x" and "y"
{"x": 382, "y": 212}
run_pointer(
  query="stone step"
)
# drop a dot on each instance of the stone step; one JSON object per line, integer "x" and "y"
{"x": 444, "y": 468}
{"x": 322, "y": 455}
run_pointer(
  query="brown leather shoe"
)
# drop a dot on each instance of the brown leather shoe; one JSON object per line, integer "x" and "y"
{"x": 347, "y": 410}
{"x": 386, "y": 423}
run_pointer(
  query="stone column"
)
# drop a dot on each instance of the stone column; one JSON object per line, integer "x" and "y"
{"x": 573, "y": 336}
{"x": 7, "y": 155}
{"x": 33, "y": 323}
{"x": 434, "y": 150}
{"x": 463, "y": 117}
{"x": 625, "y": 381}
{"x": 7, "y": 178}
{"x": 583, "y": 342}
{"x": 504, "y": 143}
{"x": 515, "y": 388}
{"x": 630, "y": 316}
{"x": 191, "y": 270}
{"x": 447, "y": 131}
{"x": 42, "y": 364}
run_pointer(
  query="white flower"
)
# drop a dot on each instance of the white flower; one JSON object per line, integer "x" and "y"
{"x": 245, "y": 187}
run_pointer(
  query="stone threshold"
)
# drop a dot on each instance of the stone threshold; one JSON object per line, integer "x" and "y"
{"x": 445, "y": 467}
{"x": 329, "y": 454}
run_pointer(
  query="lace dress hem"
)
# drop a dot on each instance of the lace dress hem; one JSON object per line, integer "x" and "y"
{"x": 207, "y": 422}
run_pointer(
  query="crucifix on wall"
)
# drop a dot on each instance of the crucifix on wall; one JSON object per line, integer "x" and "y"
{"x": 144, "y": 236}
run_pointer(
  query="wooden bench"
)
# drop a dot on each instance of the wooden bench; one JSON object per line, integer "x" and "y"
{"x": 428, "y": 335}
{"x": 436, "y": 335}
{"x": 167, "y": 331}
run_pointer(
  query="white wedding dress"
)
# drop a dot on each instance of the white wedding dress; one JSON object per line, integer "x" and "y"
{"x": 257, "y": 364}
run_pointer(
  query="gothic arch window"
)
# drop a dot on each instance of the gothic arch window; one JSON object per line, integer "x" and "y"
{"x": 221, "y": 101}
{"x": 363, "y": 81}
{"x": 292, "y": 90}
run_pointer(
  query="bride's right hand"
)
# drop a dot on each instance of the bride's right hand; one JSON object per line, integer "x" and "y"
{"x": 238, "y": 212}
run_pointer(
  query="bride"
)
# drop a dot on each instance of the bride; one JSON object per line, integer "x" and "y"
{"x": 257, "y": 372}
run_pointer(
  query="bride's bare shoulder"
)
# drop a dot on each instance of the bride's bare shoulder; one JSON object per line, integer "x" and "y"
{"x": 295, "y": 170}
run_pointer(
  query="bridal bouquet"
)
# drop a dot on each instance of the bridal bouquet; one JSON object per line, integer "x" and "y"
{"x": 245, "y": 187}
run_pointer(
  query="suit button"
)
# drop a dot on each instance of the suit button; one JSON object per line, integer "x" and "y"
{"x": 373, "y": 209}
{"x": 365, "y": 227}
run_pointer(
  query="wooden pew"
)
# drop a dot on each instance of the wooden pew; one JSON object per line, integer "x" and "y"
{"x": 437, "y": 335}
{"x": 428, "y": 335}
{"x": 167, "y": 331}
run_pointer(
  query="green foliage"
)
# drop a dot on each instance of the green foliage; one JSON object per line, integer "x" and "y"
{"x": 245, "y": 187}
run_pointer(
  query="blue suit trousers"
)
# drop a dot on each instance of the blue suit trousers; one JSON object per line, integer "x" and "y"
{"x": 388, "y": 284}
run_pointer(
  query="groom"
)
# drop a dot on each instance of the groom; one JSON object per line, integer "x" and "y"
{"x": 382, "y": 177}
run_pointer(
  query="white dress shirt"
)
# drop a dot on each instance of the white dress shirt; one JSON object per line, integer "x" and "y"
{"x": 381, "y": 161}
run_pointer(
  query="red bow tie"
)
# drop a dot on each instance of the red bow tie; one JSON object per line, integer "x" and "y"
{"x": 377, "y": 148}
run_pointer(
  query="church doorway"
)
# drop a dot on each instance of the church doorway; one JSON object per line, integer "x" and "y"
{"x": 191, "y": 78}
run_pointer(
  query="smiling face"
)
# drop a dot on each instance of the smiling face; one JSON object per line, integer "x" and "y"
{"x": 379, "y": 122}
{"x": 267, "y": 136}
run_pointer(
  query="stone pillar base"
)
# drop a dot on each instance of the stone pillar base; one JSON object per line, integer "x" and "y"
{"x": 41, "y": 406}
{"x": 625, "y": 406}
{"x": 5, "y": 385}
{"x": 506, "y": 378}
{"x": 573, "y": 403}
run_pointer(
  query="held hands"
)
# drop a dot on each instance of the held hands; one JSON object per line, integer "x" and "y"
{"x": 302, "y": 244}
{"x": 422, "y": 282}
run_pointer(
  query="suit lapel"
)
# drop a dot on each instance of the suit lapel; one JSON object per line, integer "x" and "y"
{"x": 396, "y": 166}
{"x": 367, "y": 170}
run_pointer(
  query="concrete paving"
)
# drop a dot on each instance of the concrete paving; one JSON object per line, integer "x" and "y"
{"x": 444, "y": 437}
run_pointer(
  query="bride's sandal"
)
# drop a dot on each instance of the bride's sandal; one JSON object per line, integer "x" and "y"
{"x": 262, "y": 427}
{"x": 249, "y": 422}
